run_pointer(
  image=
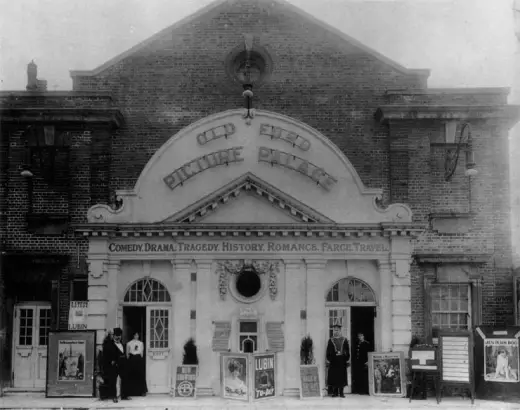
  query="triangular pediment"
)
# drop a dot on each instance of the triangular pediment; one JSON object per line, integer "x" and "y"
{"x": 248, "y": 199}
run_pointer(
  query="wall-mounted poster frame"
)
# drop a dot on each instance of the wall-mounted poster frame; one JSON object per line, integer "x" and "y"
{"x": 516, "y": 298}
{"x": 456, "y": 361}
{"x": 386, "y": 374}
{"x": 234, "y": 376}
{"x": 71, "y": 357}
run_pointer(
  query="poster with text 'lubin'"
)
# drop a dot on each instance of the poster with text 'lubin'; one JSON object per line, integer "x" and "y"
{"x": 264, "y": 382}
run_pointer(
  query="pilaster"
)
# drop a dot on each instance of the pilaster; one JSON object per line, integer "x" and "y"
{"x": 208, "y": 380}
{"x": 401, "y": 305}
{"x": 293, "y": 296}
{"x": 181, "y": 301}
{"x": 114, "y": 268}
{"x": 316, "y": 319}
{"x": 98, "y": 297}
{"x": 385, "y": 307}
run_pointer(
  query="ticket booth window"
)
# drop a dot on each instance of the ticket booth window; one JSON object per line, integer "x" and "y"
{"x": 248, "y": 336}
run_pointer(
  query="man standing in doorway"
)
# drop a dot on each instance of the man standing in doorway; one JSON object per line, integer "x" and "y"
{"x": 360, "y": 365}
{"x": 338, "y": 354}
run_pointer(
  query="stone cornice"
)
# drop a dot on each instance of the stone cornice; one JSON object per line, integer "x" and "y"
{"x": 429, "y": 258}
{"x": 104, "y": 116}
{"x": 250, "y": 230}
{"x": 446, "y": 112}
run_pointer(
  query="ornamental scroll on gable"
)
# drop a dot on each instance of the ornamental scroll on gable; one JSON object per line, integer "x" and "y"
{"x": 267, "y": 270}
{"x": 286, "y": 154}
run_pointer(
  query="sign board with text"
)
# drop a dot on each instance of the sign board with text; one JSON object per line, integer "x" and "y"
{"x": 424, "y": 359}
{"x": 309, "y": 381}
{"x": 456, "y": 359}
{"x": 186, "y": 381}
{"x": 264, "y": 376}
{"x": 78, "y": 314}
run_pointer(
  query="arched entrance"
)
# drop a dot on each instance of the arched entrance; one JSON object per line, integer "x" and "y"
{"x": 146, "y": 309}
{"x": 351, "y": 303}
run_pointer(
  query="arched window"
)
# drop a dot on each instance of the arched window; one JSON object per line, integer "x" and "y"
{"x": 147, "y": 290}
{"x": 351, "y": 290}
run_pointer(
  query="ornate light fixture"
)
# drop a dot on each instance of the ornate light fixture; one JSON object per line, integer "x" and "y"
{"x": 246, "y": 77}
{"x": 464, "y": 142}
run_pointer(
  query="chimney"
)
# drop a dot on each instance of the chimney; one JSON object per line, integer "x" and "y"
{"x": 32, "y": 74}
{"x": 33, "y": 83}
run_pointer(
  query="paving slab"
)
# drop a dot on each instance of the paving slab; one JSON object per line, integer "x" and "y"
{"x": 165, "y": 402}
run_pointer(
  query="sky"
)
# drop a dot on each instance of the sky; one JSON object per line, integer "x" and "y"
{"x": 466, "y": 43}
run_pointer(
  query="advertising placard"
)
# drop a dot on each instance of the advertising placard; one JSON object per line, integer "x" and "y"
{"x": 309, "y": 381}
{"x": 234, "y": 376}
{"x": 186, "y": 381}
{"x": 386, "y": 370}
{"x": 264, "y": 380}
{"x": 78, "y": 313}
{"x": 501, "y": 360}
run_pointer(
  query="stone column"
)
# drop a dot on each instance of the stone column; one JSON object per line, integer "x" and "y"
{"x": 114, "y": 267}
{"x": 208, "y": 380}
{"x": 385, "y": 307}
{"x": 293, "y": 295}
{"x": 181, "y": 309}
{"x": 316, "y": 321}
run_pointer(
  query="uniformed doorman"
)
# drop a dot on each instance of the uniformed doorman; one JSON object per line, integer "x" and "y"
{"x": 338, "y": 355}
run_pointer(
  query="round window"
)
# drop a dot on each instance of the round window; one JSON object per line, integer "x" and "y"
{"x": 248, "y": 283}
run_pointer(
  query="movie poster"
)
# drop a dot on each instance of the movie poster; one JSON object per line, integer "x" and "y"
{"x": 71, "y": 360}
{"x": 264, "y": 376}
{"x": 385, "y": 373}
{"x": 235, "y": 376}
{"x": 501, "y": 360}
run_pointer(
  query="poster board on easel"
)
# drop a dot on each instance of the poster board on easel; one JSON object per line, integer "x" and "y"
{"x": 456, "y": 361}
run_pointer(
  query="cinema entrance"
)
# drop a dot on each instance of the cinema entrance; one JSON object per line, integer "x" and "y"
{"x": 351, "y": 303}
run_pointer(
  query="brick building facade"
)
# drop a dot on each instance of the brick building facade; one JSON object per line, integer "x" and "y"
{"x": 400, "y": 137}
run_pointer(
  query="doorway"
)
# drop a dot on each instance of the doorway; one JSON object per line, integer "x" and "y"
{"x": 362, "y": 321}
{"x": 134, "y": 321}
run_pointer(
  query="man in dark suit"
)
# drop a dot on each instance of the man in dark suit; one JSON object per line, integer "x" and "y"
{"x": 114, "y": 366}
{"x": 360, "y": 365}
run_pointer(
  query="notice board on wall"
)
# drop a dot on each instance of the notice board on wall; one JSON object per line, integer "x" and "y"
{"x": 456, "y": 360}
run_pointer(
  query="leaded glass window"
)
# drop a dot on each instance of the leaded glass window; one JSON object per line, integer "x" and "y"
{"x": 147, "y": 290}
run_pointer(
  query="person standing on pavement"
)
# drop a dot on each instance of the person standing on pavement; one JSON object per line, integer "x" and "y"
{"x": 338, "y": 355}
{"x": 360, "y": 365}
{"x": 114, "y": 358}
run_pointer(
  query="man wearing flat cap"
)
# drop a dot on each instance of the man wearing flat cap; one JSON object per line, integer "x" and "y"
{"x": 338, "y": 355}
{"x": 115, "y": 366}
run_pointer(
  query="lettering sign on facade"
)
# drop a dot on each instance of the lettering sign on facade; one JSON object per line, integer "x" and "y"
{"x": 309, "y": 381}
{"x": 455, "y": 359}
{"x": 233, "y": 155}
{"x": 247, "y": 247}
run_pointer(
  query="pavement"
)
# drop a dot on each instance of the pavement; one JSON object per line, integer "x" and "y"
{"x": 166, "y": 402}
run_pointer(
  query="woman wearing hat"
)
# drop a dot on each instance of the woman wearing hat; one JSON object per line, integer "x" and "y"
{"x": 338, "y": 355}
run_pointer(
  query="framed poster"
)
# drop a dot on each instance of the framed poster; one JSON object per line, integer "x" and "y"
{"x": 516, "y": 298}
{"x": 234, "y": 372}
{"x": 264, "y": 379}
{"x": 309, "y": 381}
{"x": 186, "y": 381}
{"x": 501, "y": 362}
{"x": 386, "y": 374}
{"x": 71, "y": 357}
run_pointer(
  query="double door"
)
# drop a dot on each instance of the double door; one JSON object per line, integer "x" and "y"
{"x": 32, "y": 323}
{"x": 153, "y": 323}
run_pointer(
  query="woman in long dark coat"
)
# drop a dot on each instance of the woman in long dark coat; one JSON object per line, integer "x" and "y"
{"x": 338, "y": 355}
{"x": 136, "y": 376}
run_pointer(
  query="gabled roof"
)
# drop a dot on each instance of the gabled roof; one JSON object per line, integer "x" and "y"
{"x": 249, "y": 183}
{"x": 218, "y": 3}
